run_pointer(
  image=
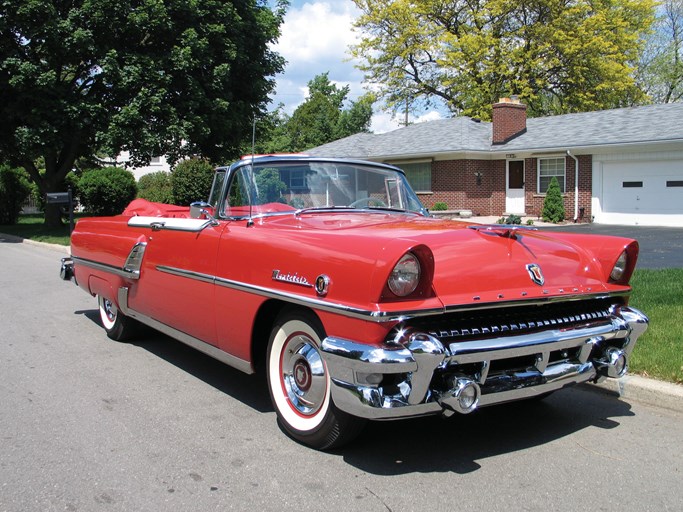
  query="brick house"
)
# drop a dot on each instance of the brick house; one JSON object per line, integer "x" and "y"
{"x": 621, "y": 166}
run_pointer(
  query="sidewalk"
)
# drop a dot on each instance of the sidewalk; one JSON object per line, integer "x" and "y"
{"x": 630, "y": 388}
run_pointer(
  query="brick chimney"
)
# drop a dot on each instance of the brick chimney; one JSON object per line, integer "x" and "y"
{"x": 509, "y": 119}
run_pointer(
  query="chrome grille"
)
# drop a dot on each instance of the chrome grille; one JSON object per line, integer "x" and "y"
{"x": 513, "y": 321}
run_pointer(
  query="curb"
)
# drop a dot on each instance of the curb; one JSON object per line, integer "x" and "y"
{"x": 66, "y": 249}
{"x": 641, "y": 389}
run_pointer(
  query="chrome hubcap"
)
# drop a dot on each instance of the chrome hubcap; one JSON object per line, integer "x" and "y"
{"x": 109, "y": 309}
{"x": 303, "y": 375}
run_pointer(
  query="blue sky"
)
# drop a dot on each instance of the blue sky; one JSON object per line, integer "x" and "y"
{"x": 315, "y": 39}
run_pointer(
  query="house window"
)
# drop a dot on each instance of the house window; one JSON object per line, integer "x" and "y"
{"x": 419, "y": 175}
{"x": 549, "y": 168}
{"x": 156, "y": 160}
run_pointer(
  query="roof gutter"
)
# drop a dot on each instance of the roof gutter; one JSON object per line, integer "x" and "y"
{"x": 576, "y": 186}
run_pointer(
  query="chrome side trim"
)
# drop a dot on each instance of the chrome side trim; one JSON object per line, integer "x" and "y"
{"x": 332, "y": 307}
{"x": 117, "y": 271}
{"x": 170, "y": 223}
{"x": 196, "y": 343}
{"x": 376, "y": 315}
{"x": 134, "y": 260}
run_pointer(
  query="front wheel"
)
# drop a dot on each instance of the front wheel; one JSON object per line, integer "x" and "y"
{"x": 117, "y": 326}
{"x": 299, "y": 384}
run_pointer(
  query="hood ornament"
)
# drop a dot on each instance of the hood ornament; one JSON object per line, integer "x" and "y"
{"x": 535, "y": 273}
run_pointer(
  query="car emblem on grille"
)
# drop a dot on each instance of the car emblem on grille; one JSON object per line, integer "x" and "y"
{"x": 535, "y": 273}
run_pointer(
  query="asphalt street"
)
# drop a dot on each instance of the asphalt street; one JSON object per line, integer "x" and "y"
{"x": 90, "y": 424}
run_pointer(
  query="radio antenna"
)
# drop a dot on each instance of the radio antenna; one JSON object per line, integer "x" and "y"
{"x": 250, "y": 222}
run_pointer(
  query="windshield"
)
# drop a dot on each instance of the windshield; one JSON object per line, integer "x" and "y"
{"x": 308, "y": 186}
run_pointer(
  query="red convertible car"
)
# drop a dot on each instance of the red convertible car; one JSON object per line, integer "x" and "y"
{"x": 332, "y": 277}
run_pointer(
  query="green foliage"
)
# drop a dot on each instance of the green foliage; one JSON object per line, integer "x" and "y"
{"x": 530, "y": 222}
{"x": 511, "y": 219}
{"x": 106, "y": 191}
{"x": 325, "y": 116}
{"x": 439, "y": 207}
{"x": 191, "y": 181}
{"x": 558, "y": 56}
{"x": 14, "y": 190}
{"x": 156, "y": 187}
{"x": 553, "y": 204}
{"x": 660, "y": 70}
{"x": 269, "y": 186}
{"x": 152, "y": 77}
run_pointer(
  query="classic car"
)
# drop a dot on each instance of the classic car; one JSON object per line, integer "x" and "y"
{"x": 331, "y": 277}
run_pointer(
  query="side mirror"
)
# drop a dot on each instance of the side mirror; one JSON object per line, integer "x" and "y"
{"x": 199, "y": 209}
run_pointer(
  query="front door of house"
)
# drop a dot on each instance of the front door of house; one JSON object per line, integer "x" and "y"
{"x": 514, "y": 191}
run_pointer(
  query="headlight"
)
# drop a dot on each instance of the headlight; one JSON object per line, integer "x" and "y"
{"x": 619, "y": 268}
{"x": 405, "y": 276}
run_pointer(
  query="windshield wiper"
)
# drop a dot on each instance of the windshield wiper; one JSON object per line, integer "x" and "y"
{"x": 321, "y": 209}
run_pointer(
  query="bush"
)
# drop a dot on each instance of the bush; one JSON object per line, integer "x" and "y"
{"x": 553, "y": 204}
{"x": 439, "y": 207}
{"x": 106, "y": 191}
{"x": 156, "y": 187}
{"x": 191, "y": 181}
{"x": 14, "y": 190}
{"x": 512, "y": 219}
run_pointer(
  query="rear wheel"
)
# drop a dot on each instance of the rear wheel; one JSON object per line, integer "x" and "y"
{"x": 299, "y": 384}
{"x": 117, "y": 326}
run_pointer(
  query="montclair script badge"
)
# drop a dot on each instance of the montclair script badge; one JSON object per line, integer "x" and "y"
{"x": 535, "y": 273}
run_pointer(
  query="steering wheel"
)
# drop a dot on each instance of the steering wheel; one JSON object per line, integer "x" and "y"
{"x": 366, "y": 201}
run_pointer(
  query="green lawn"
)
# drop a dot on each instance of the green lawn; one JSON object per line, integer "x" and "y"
{"x": 32, "y": 227}
{"x": 658, "y": 293}
{"x": 659, "y": 352}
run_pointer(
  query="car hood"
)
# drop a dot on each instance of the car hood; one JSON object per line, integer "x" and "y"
{"x": 472, "y": 263}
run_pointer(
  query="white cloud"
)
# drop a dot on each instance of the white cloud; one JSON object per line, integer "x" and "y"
{"x": 315, "y": 39}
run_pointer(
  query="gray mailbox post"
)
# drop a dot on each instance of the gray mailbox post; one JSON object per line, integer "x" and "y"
{"x": 63, "y": 198}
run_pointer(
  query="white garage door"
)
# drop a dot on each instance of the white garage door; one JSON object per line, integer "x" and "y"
{"x": 642, "y": 193}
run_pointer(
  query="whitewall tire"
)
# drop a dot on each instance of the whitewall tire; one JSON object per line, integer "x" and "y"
{"x": 299, "y": 384}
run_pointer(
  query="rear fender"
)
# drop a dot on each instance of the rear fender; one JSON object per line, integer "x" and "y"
{"x": 98, "y": 286}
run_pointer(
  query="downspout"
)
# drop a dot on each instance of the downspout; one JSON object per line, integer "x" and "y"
{"x": 576, "y": 186}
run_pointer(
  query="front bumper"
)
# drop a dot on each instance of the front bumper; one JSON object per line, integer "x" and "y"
{"x": 416, "y": 374}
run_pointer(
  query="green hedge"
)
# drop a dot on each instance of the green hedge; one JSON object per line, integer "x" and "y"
{"x": 106, "y": 191}
{"x": 14, "y": 190}
{"x": 191, "y": 181}
{"x": 156, "y": 187}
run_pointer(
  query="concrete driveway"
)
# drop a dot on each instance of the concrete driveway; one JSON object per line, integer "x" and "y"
{"x": 659, "y": 247}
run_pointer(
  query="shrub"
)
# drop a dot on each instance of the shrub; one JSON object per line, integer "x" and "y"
{"x": 14, "y": 190}
{"x": 191, "y": 181}
{"x": 106, "y": 191}
{"x": 553, "y": 204}
{"x": 156, "y": 187}
{"x": 439, "y": 207}
{"x": 511, "y": 219}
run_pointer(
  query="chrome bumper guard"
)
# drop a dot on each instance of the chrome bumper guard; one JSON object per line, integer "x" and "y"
{"x": 416, "y": 374}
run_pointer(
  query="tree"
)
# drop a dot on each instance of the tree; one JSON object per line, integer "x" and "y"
{"x": 148, "y": 76}
{"x": 323, "y": 117}
{"x": 557, "y": 56}
{"x": 661, "y": 68}
{"x": 553, "y": 204}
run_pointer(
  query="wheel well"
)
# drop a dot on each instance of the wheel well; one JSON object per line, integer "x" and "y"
{"x": 263, "y": 325}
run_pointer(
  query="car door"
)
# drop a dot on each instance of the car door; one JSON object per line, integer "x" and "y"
{"x": 176, "y": 285}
